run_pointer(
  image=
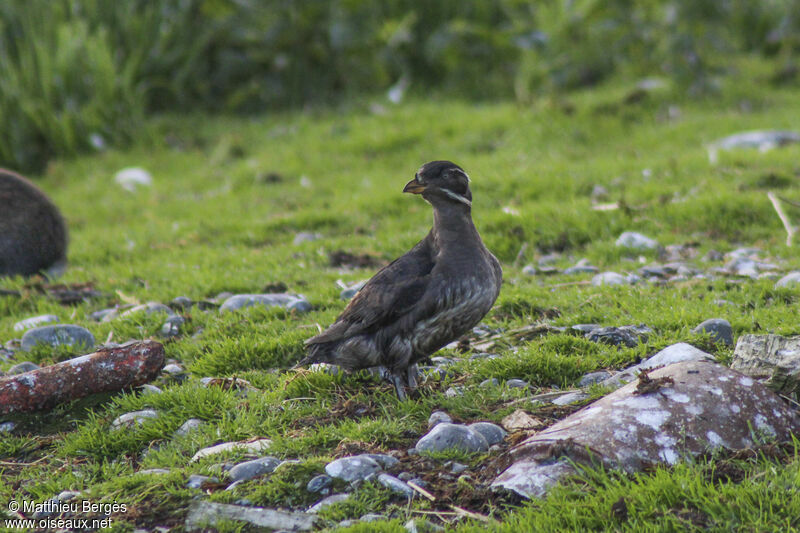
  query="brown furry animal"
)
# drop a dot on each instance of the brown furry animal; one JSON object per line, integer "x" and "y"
{"x": 33, "y": 236}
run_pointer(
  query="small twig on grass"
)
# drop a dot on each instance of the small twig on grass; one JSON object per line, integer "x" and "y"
{"x": 784, "y": 219}
{"x": 422, "y": 491}
{"x": 469, "y": 514}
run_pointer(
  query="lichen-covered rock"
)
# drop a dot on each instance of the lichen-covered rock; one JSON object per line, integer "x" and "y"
{"x": 354, "y": 468}
{"x": 446, "y": 436}
{"x": 771, "y": 358}
{"x": 683, "y": 409}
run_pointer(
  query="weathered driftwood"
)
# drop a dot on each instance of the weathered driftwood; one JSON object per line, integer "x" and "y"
{"x": 105, "y": 370}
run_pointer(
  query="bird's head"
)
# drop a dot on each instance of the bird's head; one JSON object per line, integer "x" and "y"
{"x": 440, "y": 183}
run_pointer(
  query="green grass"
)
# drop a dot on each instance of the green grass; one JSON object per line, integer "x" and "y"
{"x": 212, "y": 222}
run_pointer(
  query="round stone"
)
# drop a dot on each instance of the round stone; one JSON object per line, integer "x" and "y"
{"x": 354, "y": 468}
{"x": 59, "y": 335}
{"x": 445, "y": 436}
{"x": 493, "y": 433}
{"x": 719, "y": 329}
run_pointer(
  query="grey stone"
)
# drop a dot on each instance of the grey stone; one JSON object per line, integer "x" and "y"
{"x": 148, "y": 389}
{"x": 21, "y": 368}
{"x": 132, "y": 178}
{"x": 529, "y": 270}
{"x": 763, "y": 140}
{"x": 609, "y": 278}
{"x": 203, "y": 514}
{"x": 386, "y": 461}
{"x": 172, "y": 326}
{"x": 445, "y": 436}
{"x": 134, "y": 418}
{"x": 629, "y": 336}
{"x": 458, "y": 468}
{"x": 154, "y": 471}
{"x": 792, "y": 278}
{"x": 62, "y": 334}
{"x": 594, "y": 377}
{"x": 636, "y": 241}
{"x": 327, "y": 502}
{"x": 569, "y": 398}
{"x": 189, "y": 426}
{"x": 491, "y": 432}
{"x": 196, "y": 481}
{"x": 183, "y": 303}
{"x": 581, "y": 269}
{"x": 585, "y": 328}
{"x": 719, "y": 329}
{"x": 372, "y": 517}
{"x": 454, "y": 392}
{"x": 100, "y": 316}
{"x": 487, "y": 383}
{"x": 351, "y": 290}
{"x": 319, "y": 483}
{"x": 353, "y": 468}
{"x": 675, "y": 353}
{"x": 515, "y": 383}
{"x": 438, "y": 417}
{"x": 35, "y": 321}
{"x": 7, "y": 427}
{"x": 251, "y": 469}
{"x": 255, "y": 446}
{"x": 305, "y": 236}
{"x": 299, "y": 306}
{"x": 173, "y": 369}
{"x": 240, "y": 301}
{"x": 771, "y": 358}
{"x": 395, "y": 485}
{"x": 692, "y": 407}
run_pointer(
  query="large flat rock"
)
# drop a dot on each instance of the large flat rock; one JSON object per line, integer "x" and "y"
{"x": 687, "y": 408}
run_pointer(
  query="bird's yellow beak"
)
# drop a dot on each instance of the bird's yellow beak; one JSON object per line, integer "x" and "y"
{"x": 414, "y": 187}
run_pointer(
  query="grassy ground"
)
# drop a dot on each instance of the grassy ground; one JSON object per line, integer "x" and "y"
{"x": 228, "y": 198}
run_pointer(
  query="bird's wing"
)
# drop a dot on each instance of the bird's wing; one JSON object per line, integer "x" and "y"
{"x": 387, "y": 296}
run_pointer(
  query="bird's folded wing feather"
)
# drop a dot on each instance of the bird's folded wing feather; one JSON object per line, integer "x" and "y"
{"x": 390, "y": 294}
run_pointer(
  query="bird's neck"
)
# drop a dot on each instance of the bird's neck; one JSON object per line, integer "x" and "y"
{"x": 452, "y": 223}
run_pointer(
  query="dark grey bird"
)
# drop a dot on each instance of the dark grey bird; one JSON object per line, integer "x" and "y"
{"x": 423, "y": 300}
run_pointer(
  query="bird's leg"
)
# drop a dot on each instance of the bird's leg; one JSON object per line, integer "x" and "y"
{"x": 412, "y": 375}
{"x": 399, "y": 386}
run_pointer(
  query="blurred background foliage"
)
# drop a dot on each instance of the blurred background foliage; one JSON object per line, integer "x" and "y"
{"x": 77, "y": 75}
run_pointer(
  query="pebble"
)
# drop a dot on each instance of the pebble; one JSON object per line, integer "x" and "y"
{"x": 395, "y": 485}
{"x": 182, "y": 303}
{"x": 320, "y": 484}
{"x": 437, "y": 417}
{"x": 196, "y": 481}
{"x": 569, "y": 398}
{"x": 457, "y": 468}
{"x": 173, "y": 369}
{"x": 515, "y": 383}
{"x": 609, "y": 278}
{"x": 255, "y": 446}
{"x": 581, "y": 269}
{"x": 172, "y": 327}
{"x": 134, "y": 418}
{"x": 371, "y": 517}
{"x": 305, "y": 236}
{"x": 529, "y": 270}
{"x": 636, "y": 241}
{"x": 447, "y": 436}
{"x": 719, "y": 329}
{"x": 251, "y": 469}
{"x": 154, "y": 471}
{"x": 21, "y": 368}
{"x": 454, "y": 392}
{"x": 62, "y": 334}
{"x": 35, "y": 321}
{"x": 488, "y": 383}
{"x": 187, "y": 427}
{"x": 149, "y": 308}
{"x": 327, "y": 502}
{"x": 287, "y": 301}
{"x": 386, "y": 461}
{"x": 351, "y": 290}
{"x": 792, "y": 278}
{"x": 585, "y": 328}
{"x": 7, "y": 427}
{"x": 131, "y": 178}
{"x": 100, "y": 316}
{"x": 353, "y": 468}
{"x": 594, "y": 377}
{"x": 493, "y": 433}
{"x": 148, "y": 389}
{"x": 629, "y": 336}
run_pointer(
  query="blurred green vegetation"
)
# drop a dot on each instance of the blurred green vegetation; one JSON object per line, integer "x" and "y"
{"x": 81, "y": 74}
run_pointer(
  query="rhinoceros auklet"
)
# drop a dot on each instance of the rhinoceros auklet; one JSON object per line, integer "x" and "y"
{"x": 423, "y": 300}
